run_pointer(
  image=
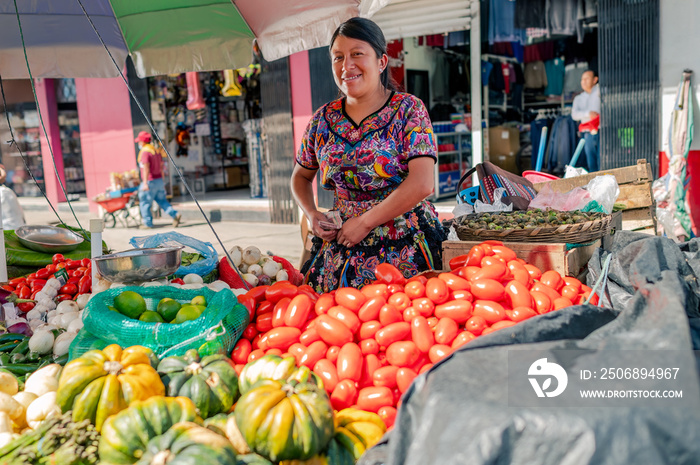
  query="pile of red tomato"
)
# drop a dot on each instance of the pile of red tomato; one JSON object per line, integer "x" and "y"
{"x": 79, "y": 281}
{"x": 368, "y": 345}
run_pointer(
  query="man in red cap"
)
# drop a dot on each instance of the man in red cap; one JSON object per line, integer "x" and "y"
{"x": 152, "y": 185}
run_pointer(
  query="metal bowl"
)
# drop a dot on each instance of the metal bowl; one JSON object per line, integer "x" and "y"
{"x": 48, "y": 239}
{"x": 138, "y": 265}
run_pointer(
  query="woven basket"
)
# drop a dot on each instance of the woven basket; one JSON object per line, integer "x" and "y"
{"x": 570, "y": 233}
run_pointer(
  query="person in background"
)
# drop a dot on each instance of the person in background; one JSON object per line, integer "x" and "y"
{"x": 586, "y": 110}
{"x": 375, "y": 148}
{"x": 152, "y": 186}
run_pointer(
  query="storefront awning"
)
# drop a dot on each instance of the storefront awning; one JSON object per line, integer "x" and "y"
{"x": 411, "y": 18}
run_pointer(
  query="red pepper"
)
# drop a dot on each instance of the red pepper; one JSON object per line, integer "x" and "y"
{"x": 58, "y": 258}
{"x": 69, "y": 288}
{"x": 85, "y": 284}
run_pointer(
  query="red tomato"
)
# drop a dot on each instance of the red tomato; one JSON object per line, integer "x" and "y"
{"x": 43, "y": 273}
{"x": 37, "y": 283}
{"x": 265, "y": 307}
{"x": 62, "y": 297}
{"x": 57, "y": 258}
{"x": 454, "y": 282}
{"x": 491, "y": 260}
{"x": 458, "y": 310}
{"x": 24, "y": 292}
{"x": 72, "y": 264}
{"x": 24, "y": 307}
{"x": 369, "y": 328}
{"x": 517, "y": 295}
{"x": 280, "y": 290}
{"x": 422, "y": 334}
{"x": 462, "y": 295}
{"x": 86, "y": 262}
{"x": 373, "y": 398}
{"x": 446, "y": 331}
{"x": 393, "y": 289}
{"x": 392, "y": 333}
{"x": 561, "y": 302}
{"x": 495, "y": 271}
{"x": 350, "y": 298}
{"x": 402, "y": 353}
{"x": 432, "y": 322}
{"x": 552, "y": 279}
{"x": 315, "y": 352}
{"x": 324, "y": 303}
{"x": 254, "y": 355}
{"x": 297, "y": 350}
{"x": 502, "y": 324}
{"x": 250, "y": 332}
{"x": 241, "y": 351}
{"x": 535, "y": 272}
{"x": 519, "y": 314}
{"x": 376, "y": 290}
{"x": 388, "y": 416}
{"x": 257, "y": 293}
{"x": 424, "y": 306}
{"x": 476, "y": 325}
{"x": 461, "y": 339}
{"x": 309, "y": 291}
{"x": 419, "y": 278}
{"x": 504, "y": 252}
{"x": 458, "y": 262}
{"x": 17, "y": 281}
{"x": 438, "y": 352}
{"x": 488, "y": 251}
{"x": 370, "y": 365}
{"x": 31, "y": 276}
{"x": 523, "y": 277}
{"x": 347, "y": 317}
{"x": 475, "y": 255}
{"x": 60, "y": 266}
{"x": 468, "y": 272}
{"x": 369, "y": 346}
{"x": 34, "y": 293}
{"x": 69, "y": 288}
{"x": 389, "y": 314}
{"x": 385, "y": 376}
{"x": 279, "y": 311}
{"x": 488, "y": 289}
{"x": 570, "y": 292}
{"x": 370, "y": 309}
{"x": 489, "y": 310}
{"x": 298, "y": 311}
{"x": 546, "y": 290}
{"x": 309, "y": 336}
{"x": 264, "y": 322}
{"x": 404, "y": 378}
{"x": 332, "y": 353}
{"x": 344, "y": 394}
{"x": 425, "y": 368}
{"x": 326, "y": 370}
{"x": 332, "y": 331}
{"x": 409, "y": 314}
{"x": 515, "y": 265}
{"x": 388, "y": 274}
{"x": 571, "y": 281}
{"x": 437, "y": 291}
{"x": 77, "y": 273}
{"x": 400, "y": 300}
{"x": 543, "y": 303}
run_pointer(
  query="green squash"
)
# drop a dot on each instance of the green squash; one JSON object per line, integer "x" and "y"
{"x": 275, "y": 368}
{"x": 211, "y": 382}
{"x": 188, "y": 444}
{"x": 285, "y": 421}
{"x": 126, "y": 434}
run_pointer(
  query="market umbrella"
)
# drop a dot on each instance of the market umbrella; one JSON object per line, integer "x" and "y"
{"x": 162, "y": 36}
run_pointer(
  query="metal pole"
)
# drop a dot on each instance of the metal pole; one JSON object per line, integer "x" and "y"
{"x": 475, "y": 58}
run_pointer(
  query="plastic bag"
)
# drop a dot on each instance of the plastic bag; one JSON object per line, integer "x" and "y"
{"x": 605, "y": 190}
{"x": 575, "y": 199}
{"x": 572, "y": 172}
{"x": 496, "y": 206}
{"x": 217, "y": 329}
{"x": 12, "y": 213}
{"x": 174, "y": 239}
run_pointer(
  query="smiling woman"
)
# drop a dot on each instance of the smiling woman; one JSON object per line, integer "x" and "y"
{"x": 375, "y": 148}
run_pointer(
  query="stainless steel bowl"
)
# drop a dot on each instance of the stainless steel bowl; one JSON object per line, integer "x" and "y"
{"x": 138, "y": 265}
{"x": 48, "y": 239}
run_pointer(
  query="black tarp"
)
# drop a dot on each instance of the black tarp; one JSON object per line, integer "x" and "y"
{"x": 459, "y": 412}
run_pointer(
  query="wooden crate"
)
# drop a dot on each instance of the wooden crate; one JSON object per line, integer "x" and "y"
{"x": 635, "y": 192}
{"x": 545, "y": 256}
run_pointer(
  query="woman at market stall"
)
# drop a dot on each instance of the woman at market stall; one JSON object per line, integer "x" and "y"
{"x": 375, "y": 148}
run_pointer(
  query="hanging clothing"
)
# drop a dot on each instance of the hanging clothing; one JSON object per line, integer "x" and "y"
{"x": 502, "y": 22}
{"x": 531, "y": 14}
{"x": 555, "y": 76}
{"x": 572, "y": 78}
{"x": 563, "y": 18}
{"x": 535, "y": 75}
{"x": 562, "y": 144}
{"x": 505, "y": 69}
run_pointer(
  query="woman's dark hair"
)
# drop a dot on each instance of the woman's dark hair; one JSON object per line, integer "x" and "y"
{"x": 367, "y": 31}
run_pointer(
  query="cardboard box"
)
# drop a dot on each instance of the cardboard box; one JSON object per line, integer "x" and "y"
{"x": 234, "y": 176}
{"x": 635, "y": 193}
{"x": 504, "y": 141}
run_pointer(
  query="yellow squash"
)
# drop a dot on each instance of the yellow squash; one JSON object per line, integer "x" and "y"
{"x": 101, "y": 383}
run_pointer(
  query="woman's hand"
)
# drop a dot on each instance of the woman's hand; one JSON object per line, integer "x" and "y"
{"x": 325, "y": 234}
{"x": 353, "y": 231}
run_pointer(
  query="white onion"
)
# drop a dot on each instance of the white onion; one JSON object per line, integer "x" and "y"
{"x": 75, "y": 325}
{"x": 282, "y": 275}
{"x": 82, "y": 300}
{"x": 67, "y": 306}
{"x": 236, "y": 254}
{"x": 219, "y": 284}
{"x": 192, "y": 278}
{"x": 41, "y": 342}
{"x": 271, "y": 268}
{"x": 62, "y": 344}
{"x": 34, "y": 314}
{"x": 250, "y": 279}
{"x": 251, "y": 255}
{"x": 65, "y": 319}
{"x": 34, "y": 324}
{"x": 255, "y": 269}
{"x": 192, "y": 286}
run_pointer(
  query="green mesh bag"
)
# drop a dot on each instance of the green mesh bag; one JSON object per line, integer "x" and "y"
{"x": 84, "y": 342}
{"x": 216, "y": 330}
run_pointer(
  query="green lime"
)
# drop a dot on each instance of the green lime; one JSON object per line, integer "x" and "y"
{"x": 151, "y": 317}
{"x": 130, "y": 303}
{"x": 187, "y": 312}
{"x": 168, "y": 308}
{"x": 199, "y": 300}
{"x": 201, "y": 308}
{"x": 112, "y": 308}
